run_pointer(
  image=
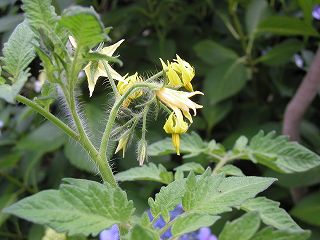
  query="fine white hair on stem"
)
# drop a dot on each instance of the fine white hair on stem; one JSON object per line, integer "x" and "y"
{"x": 63, "y": 109}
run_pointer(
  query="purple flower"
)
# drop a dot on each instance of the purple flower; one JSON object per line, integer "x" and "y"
{"x": 160, "y": 223}
{"x": 205, "y": 234}
{"x": 298, "y": 60}
{"x": 316, "y": 12}
{"x": 202, "y": 234}
{"x": 110, "y": 233}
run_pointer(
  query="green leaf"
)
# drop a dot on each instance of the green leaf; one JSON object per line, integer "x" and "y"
{"x": 307, "y": 9}
{"x": 281, "y": 53}
{"x": 306, "y": 178}
{"x": 308, "y": 209}
{"x": 9, "y": 22}
{"x": 80, "y": 207}
{"x": 213, "y": 53}
{"x": 5, "y": 201}
{"x": 84, "y": 24}
{"x": 270, "y": 234}
{"x": 167, "y": 199}
{"x": 256, "y": 11}
{"x": 214, "y": 194}
{"x": 18, "y": 52}
{"x": 190, "y": 144}
{"x": 40, "y": 14}
{"x": 9, "y": 92}
{"x": 191, "y": 222}
{"x": 191, "y": 166}
{"x": 283, "y": 25}
{"x": 149, "y": 172}
{"x": 270, "y": 213}
{"x": 217, "y": 112}
{"x": 224, "y": 81}
{"x": 78, "y": 157}
{"x": 279, "y": 154}
{"x": 139, "y": 232}
{"x": 47, "y": 137}
{"x": 231, "y": 170}
{"x": 242, "y": 228}
{"x": 9, "y": 161}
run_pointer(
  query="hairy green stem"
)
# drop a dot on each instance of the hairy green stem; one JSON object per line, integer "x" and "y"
{"x": 144, "y": 122}
{"x": 220, "y": 164}
{"x": 113, "y": 114}
{"x": 111, "y": 81}
{"x": 56, "y": 121}
{"x": 104, "y": 168}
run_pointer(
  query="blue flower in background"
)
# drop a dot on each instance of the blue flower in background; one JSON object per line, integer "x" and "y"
{"x": 316, "y": 12}
{"x": 110, "y": 233}
{"x": 298, "y": 60}
{"x": 205, "y": 234}
{"x": 160, "y": 223}
{"x": 202, "y": 234}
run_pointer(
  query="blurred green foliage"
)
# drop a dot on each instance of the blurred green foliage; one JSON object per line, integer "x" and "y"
{"x": 243, "y": 52}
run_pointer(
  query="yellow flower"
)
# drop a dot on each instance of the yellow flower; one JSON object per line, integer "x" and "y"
{"x": 179, "y": 73}
{"x": 100, "y": 71}
{"x": 122, "y": 145}
{"x": 175, "y": 125}
{"x": 51, "y": 234}
{"x": 93, "y": 72}
{"x": 179, "y": 100}
{"x": 128, "y": 83}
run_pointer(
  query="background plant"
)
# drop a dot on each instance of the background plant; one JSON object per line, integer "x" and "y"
{"x": 242, "y": 54}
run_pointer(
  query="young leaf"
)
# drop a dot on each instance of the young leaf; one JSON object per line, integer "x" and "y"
{"x": 242, "y": 228}
{"x": 149, "y": 172}
{"x": 139, "y": 232}
{"x": 191, "y": 222}
{"x": 270, "y": 213}
{"x": 167, "y": 199}
{"x": 190, "y": 166}
{"x": 40, "y": 14}
{"x": 214, "y": 194}
{"x": 84, "y": 24}
{"x": 9, "y": 92}
{"x": 18, "y": 52}
{"x": 231, "y": 170}
{"x": 270, "y": 234}
{"x": 308, "y": 209}
{"x": 280, "y": 154}
{"x": 81, "y": 207}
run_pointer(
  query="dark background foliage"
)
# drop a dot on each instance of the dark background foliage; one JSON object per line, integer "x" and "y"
{"x": 245, "y": 55}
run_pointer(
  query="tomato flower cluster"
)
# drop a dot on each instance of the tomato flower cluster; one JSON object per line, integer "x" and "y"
{"x": 177, "y": 74}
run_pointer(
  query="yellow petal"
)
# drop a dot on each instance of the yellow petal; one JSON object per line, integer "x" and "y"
{"x": 109, "y": 51}
{"x": 176, "y": 142}
{"x": 92, "y": 77}
{"x": 122, "y": 145}
{"x": 164, "y": 66}
{"x": 73, "y": 42}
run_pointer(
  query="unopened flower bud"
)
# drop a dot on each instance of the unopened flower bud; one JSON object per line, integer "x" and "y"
{"x": 142, "y": 151}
